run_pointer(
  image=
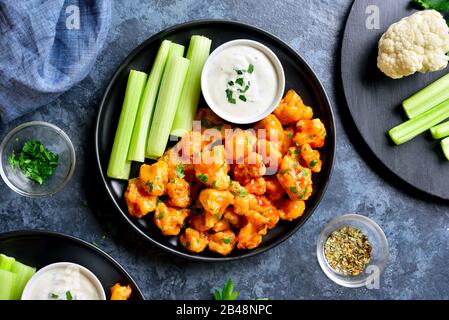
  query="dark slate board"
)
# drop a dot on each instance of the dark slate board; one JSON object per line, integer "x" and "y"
{"x": 374, "y": 101}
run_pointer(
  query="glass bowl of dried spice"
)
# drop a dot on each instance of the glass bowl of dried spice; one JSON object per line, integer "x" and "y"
{"x": 37, "y": 159}
{"x": 352, "y": 251}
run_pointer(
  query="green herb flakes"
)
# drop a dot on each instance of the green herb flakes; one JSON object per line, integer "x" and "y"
{"x": 180, "y": 171}
{"x": 34, "y": 161}
{"x": 202, "y": 177}
{"x": 239, "y": 86}
{"x": 348, "y": 251}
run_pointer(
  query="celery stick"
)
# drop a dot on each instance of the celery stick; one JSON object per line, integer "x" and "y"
{"x": 445, "y": 147}
{"x": 427, "y": 98}
{"x": 167, "y": 102}
{"x": 138, "y": 144}
{"x": 197, "y": 53}
{"x": 7, "y": 284}
{"x": 413, "y": 127}
{"x": 6, "y": 262}
{"x": 119, "y": 166}
{"x": 440, "y": 131}
{"x": 176, "y": 50}
{"x": 23, "y": 273}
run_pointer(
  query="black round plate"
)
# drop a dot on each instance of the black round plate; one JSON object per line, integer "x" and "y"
{"x": 41, "y": 248}
{"x": 374, "y": 101}
{"x": 299, "y": 76}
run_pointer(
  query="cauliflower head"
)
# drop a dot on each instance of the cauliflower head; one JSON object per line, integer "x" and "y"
{"x": 415, "y": 43}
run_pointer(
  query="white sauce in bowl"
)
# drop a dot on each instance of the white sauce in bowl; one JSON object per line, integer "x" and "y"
{"x": 242, "y": 81}
{"x": 63, "y": 281}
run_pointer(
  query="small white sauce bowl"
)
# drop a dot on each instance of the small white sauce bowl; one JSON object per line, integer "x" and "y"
{"x": 277, "y": 67}
{"x": 27, "y": 291}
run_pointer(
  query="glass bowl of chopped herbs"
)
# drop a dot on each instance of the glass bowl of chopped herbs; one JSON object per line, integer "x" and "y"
{"x": 37, "y": 159}
{"x": 352, "y": 251}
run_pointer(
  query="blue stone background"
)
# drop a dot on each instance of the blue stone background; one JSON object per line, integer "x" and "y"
{"x": 417, "y": 227}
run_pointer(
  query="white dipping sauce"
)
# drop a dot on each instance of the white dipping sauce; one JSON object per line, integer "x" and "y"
{"x": 55, "y": 283}
{"x": 262, "y": 81}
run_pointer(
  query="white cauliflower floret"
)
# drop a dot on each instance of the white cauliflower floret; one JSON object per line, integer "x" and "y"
{"x": 415, "y": 43}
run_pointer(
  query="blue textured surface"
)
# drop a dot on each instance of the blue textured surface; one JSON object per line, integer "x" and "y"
{"x": 417, "y": 228}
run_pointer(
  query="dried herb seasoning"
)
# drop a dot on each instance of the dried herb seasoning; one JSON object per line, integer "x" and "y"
{"x": 348, "y": 251}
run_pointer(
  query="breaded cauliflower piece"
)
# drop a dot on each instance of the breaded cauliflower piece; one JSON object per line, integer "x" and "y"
{"x": 417, "y": 43}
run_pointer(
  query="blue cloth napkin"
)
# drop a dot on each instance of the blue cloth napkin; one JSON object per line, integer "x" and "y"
{"x": 46, "y": 47}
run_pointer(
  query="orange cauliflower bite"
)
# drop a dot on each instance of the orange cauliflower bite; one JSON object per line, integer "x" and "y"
{"x": 178, "y": 191}
{"x": 215, "y": 202}
{"x": 170, "y": 220}
{"x": 243, "y": 200}
{"x": 275, "y": 191}
{"x": 273, "y": 130}
{"x": 295, "y": 179}
{"x": 154, "y": 177}
{"x": 256, "y": 186}
{"x": 222, "y": 242}
{"x": 290, "y": 209}
{"x": 139, "y": 202}
{"x": 310, "y": 158}
{"x": 251, "y": 168}
{"x": 292, "y": 108}
{"x": 193, "y": 240}
{"x": 312, "y": 132}
{"x": 212, "y": 171}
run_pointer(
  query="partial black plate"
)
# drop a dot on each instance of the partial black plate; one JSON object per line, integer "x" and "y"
{"x": 41, "y": 248}
{"x": 299, "y": 76}
{"x": 374, "y": 100}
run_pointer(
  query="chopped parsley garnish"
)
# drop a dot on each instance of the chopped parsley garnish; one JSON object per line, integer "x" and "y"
{"x": 150, "y": 186}
{"x": 68, "y": 295}
{"x": 293, "y": 189}
{"x": 180, "y": 171}
{"x": 160, "y": 216}
{"x": 246, "y": 88}
{"x": 226, "y": 240}
{"x": 313, "y": 163}
{"x": 35, "y": 161}
{"x": 172, "y": 180}
{"x": 243, "y": 193}
{"x": 202, "y": 177}
{"x": 230, "y": 96}
{"x": 54, "y": 296}
{"x": 239, "y": 85}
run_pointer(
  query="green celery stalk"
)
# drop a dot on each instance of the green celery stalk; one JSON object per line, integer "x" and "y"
{"x": 7, "y": 284}
{"x": 445, "y": 147}
{"x": 119, "y": 166}
{"x": 199, "y": 49}
{"x": 138, "y": 144}
{"x": 167, "y": 102}
{"x": 413, "y": 127}
{"x": 427, "y": 98}
{"x": 440, "y": 131}
{"x": 23, "y": 273}
{"x": 6, "y": 262}
{"x": 176, "y": 50}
